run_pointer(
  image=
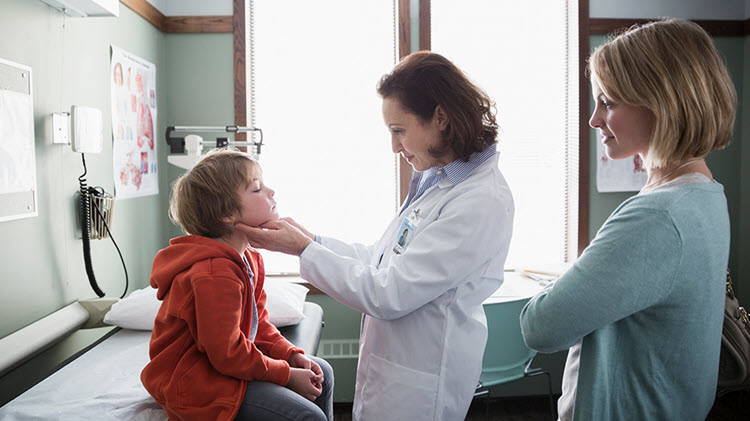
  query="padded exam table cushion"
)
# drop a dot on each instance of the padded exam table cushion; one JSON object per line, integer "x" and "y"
{"x": 306, "y": 334}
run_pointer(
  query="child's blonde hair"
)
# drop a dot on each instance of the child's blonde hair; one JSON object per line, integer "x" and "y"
{"x": 207, "y": 193}
{"x": 671, "y": 68}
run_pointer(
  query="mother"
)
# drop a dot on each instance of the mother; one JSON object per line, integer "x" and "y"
{"x": 642, "y": 308}
{"x": 424, "y": 329}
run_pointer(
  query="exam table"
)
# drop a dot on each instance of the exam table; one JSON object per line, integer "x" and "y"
{"x": 104, "y": 383}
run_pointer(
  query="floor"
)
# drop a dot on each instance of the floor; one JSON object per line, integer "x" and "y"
{"x": 506, "y": 409}
{"x": 733, "y": 406}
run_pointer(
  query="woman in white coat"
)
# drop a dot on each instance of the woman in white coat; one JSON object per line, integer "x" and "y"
{"x": 424, "y": 329}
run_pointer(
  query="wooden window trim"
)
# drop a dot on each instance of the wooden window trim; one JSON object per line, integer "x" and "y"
{"x": 239, "y": 20}
{"x": 583, "y": 142}
{"x": 584, "y": 138}
{"x": 404, "y": 49}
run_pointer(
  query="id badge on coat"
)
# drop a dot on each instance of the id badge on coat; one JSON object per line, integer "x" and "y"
{"x": 406, "y": 231}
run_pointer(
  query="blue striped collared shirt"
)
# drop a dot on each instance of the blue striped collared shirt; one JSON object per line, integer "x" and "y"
{"x": 456, "y": 172}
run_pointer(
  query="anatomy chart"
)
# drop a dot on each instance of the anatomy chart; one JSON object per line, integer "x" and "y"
{"x": 133, "y": 81}
{"x": 618, "y": 175}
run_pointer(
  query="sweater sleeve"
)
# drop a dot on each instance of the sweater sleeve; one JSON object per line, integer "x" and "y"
{"x": 630, "y": 265}
{"x": 219, "y": 312}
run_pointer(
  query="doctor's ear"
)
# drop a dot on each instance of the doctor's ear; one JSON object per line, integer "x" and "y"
{"x": 441, "y": 117}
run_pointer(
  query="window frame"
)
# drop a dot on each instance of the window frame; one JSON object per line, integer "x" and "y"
{"x": 239, "y": 18}
{"x": 583, "y": 109}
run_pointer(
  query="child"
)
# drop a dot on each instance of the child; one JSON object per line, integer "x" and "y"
{"x": 214, "y": 355}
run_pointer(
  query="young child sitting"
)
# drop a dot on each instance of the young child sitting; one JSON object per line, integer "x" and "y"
{"x": 214, "y": 354}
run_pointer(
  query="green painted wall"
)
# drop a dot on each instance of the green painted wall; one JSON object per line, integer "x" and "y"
{"x": 742, "y": 277}
{"x": 41, "y": 260}
{"x": 200, "y": 83}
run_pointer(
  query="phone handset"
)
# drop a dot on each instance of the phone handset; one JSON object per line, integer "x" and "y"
{"x": 87, "y": 137}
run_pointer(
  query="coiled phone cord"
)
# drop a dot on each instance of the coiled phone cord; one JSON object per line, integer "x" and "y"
{"x": 86, "y": 192}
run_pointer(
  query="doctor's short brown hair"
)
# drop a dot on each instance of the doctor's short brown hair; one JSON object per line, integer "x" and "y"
{"x": 207, "y": 193}
{"x": 671, "y": 68}
{"x": 423, "y": 80}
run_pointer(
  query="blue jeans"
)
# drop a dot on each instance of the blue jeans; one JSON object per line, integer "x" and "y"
{"x": 269, "y": 401}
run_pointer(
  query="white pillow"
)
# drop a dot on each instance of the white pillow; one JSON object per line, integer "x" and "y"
{"x": 285, "y": 302}
{"x": 138, "y": 310}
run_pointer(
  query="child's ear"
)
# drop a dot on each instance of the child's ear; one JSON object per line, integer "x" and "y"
{"x": 231, "y": 220}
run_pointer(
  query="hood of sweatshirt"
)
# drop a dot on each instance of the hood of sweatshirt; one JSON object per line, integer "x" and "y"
{"x": 181, "y": 254}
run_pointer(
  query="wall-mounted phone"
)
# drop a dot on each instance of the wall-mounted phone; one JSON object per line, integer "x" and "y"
{"x": 96, "y": 206}
{"x": 86, "y": 129}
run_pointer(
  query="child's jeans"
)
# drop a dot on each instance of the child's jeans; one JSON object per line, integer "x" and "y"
{"x": 269, "y": 401}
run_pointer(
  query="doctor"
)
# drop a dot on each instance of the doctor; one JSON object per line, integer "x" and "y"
{"x": 424, "y": 329}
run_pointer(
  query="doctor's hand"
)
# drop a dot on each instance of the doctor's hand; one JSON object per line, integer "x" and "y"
{"x": 278, "y": 236}
{"x": 301, "y": 381}
{"x": 298, "y": 226}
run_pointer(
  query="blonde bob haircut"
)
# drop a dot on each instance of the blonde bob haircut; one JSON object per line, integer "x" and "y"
{"x": 209, "y": 192}
{"x": 671, "y": 68}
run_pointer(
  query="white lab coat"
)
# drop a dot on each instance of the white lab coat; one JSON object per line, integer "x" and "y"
{"x": 424, "y": 330}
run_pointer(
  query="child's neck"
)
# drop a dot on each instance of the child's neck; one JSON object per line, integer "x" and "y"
{"x": 236, "y": 240}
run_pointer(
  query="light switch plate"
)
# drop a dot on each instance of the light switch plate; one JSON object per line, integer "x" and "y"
{"x": 61, "y": 128}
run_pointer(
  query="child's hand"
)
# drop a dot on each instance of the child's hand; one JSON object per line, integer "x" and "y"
{"x": 298, "y": 360}
{"x": 302, "y": 382}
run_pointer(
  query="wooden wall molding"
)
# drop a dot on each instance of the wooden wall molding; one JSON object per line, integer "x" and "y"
{"x": 239, "y": 43}
{"x": 717, "y": 28}
{"x": 197, "y": 24}
{"x": 179, "y": 24}
{"x": 146, "y": 11}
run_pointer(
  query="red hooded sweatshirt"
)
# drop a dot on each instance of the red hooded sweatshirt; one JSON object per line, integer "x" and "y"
{"x": 201, "y": 357}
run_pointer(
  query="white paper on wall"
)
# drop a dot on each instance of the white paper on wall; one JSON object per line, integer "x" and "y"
{"x": 17, "y": 162}
{"x": 133, "y": 85}
{"x": 620, "y": 175}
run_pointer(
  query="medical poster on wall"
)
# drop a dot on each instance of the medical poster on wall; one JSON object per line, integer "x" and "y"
{"x": 618, "y": 175}
{"x": 133, "y": 82}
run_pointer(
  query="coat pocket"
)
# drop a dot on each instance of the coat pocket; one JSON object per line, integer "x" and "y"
{"x": 395, "y": 392}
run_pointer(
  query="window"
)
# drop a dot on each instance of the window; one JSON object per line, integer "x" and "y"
{"x": 526, "y": 58}
{"x": 312, "y": 71}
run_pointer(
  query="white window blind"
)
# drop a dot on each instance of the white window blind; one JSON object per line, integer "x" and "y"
{"x": 525, "y": 56}
{"x": 314, "y": 67}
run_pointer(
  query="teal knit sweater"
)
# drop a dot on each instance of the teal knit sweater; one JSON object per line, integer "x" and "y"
{"x": 646, "y": 298}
